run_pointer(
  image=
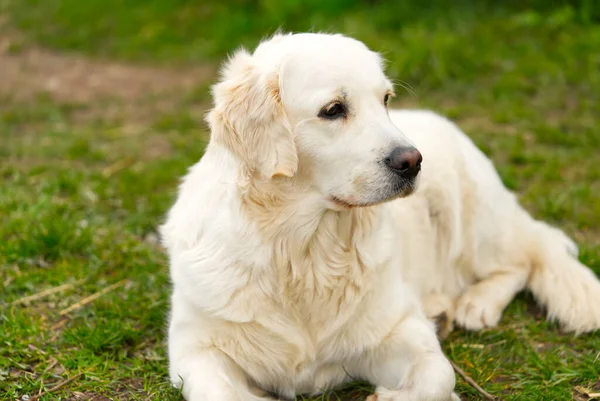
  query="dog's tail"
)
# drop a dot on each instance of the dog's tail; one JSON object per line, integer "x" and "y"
{"x": 567, "y": 288}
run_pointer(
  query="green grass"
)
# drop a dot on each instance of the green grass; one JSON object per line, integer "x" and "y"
{"x": 81, "y": 197}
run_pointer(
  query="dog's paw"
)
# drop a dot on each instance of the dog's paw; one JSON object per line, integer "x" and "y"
{"x": 476, "y": 312}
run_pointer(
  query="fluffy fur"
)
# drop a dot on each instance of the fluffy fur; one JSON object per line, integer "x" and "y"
{"x": 295, "y": 270}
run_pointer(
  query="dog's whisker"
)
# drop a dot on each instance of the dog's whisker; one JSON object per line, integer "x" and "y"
{"x": 406, "y": 86}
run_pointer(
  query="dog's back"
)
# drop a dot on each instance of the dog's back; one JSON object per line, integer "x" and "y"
{"x": 478, "y": 231}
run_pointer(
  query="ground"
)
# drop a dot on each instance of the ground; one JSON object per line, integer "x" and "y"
{"x": 101, "y": 108}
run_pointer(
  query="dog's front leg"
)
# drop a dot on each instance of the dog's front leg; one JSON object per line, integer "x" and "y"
{"x": 202, "y": 371}
{"x": 409, "y": 365}
{"x": 209, "y": 375}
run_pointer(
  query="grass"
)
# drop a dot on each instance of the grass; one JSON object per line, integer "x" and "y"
{"x": 84, "y": 187}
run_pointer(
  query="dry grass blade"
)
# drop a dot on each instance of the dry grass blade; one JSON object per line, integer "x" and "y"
{"x": 473, "y": 383}
{"x": 117, "y": 166}
{"x": 51, "y": 366}
{"x": 45, "y": 293}
{"x": 92, "y": 297}
{"x": 57, "y": 387}
{"x": 587, "y": 392}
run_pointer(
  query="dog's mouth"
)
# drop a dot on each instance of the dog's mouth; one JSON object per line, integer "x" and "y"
{"x": 343, "y": 203}
{"x": 397, "y": 190}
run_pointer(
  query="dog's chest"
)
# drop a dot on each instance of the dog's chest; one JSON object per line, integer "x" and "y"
{"x": 300, "y": 344}
{"x": 319, "y": 296}
{"x": 320, "y": 327}
{"x": 325, "y": 287}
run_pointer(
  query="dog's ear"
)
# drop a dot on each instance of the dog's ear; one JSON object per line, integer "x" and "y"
{"x": 249, "y": 119}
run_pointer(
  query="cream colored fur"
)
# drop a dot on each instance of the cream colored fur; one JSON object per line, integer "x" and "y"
{"x": 293, "y": 268}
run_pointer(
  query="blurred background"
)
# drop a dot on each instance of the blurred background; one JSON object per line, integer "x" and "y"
{"x": 101, "y": 112}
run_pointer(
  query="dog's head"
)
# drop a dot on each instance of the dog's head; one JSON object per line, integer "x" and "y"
{"x": 312, "y": 109}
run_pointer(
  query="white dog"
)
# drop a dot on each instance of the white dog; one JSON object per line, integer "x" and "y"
{"x": 294, "y": 272}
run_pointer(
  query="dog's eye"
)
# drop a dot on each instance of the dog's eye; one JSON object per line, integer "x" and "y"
{"x": 386, "y": 99}
{"x": 333, "y": 111}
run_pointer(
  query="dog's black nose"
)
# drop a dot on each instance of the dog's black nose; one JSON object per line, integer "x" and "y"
{"x": 406, "y": 162}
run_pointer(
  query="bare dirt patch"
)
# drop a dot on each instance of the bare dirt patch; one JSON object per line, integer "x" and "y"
{"x": 74, "y": 78}
{"x": 106, "y": 90}
{"x": 127, "y": 96}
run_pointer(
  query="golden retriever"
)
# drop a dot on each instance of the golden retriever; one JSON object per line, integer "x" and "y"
{"x": 321, "y": 233}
